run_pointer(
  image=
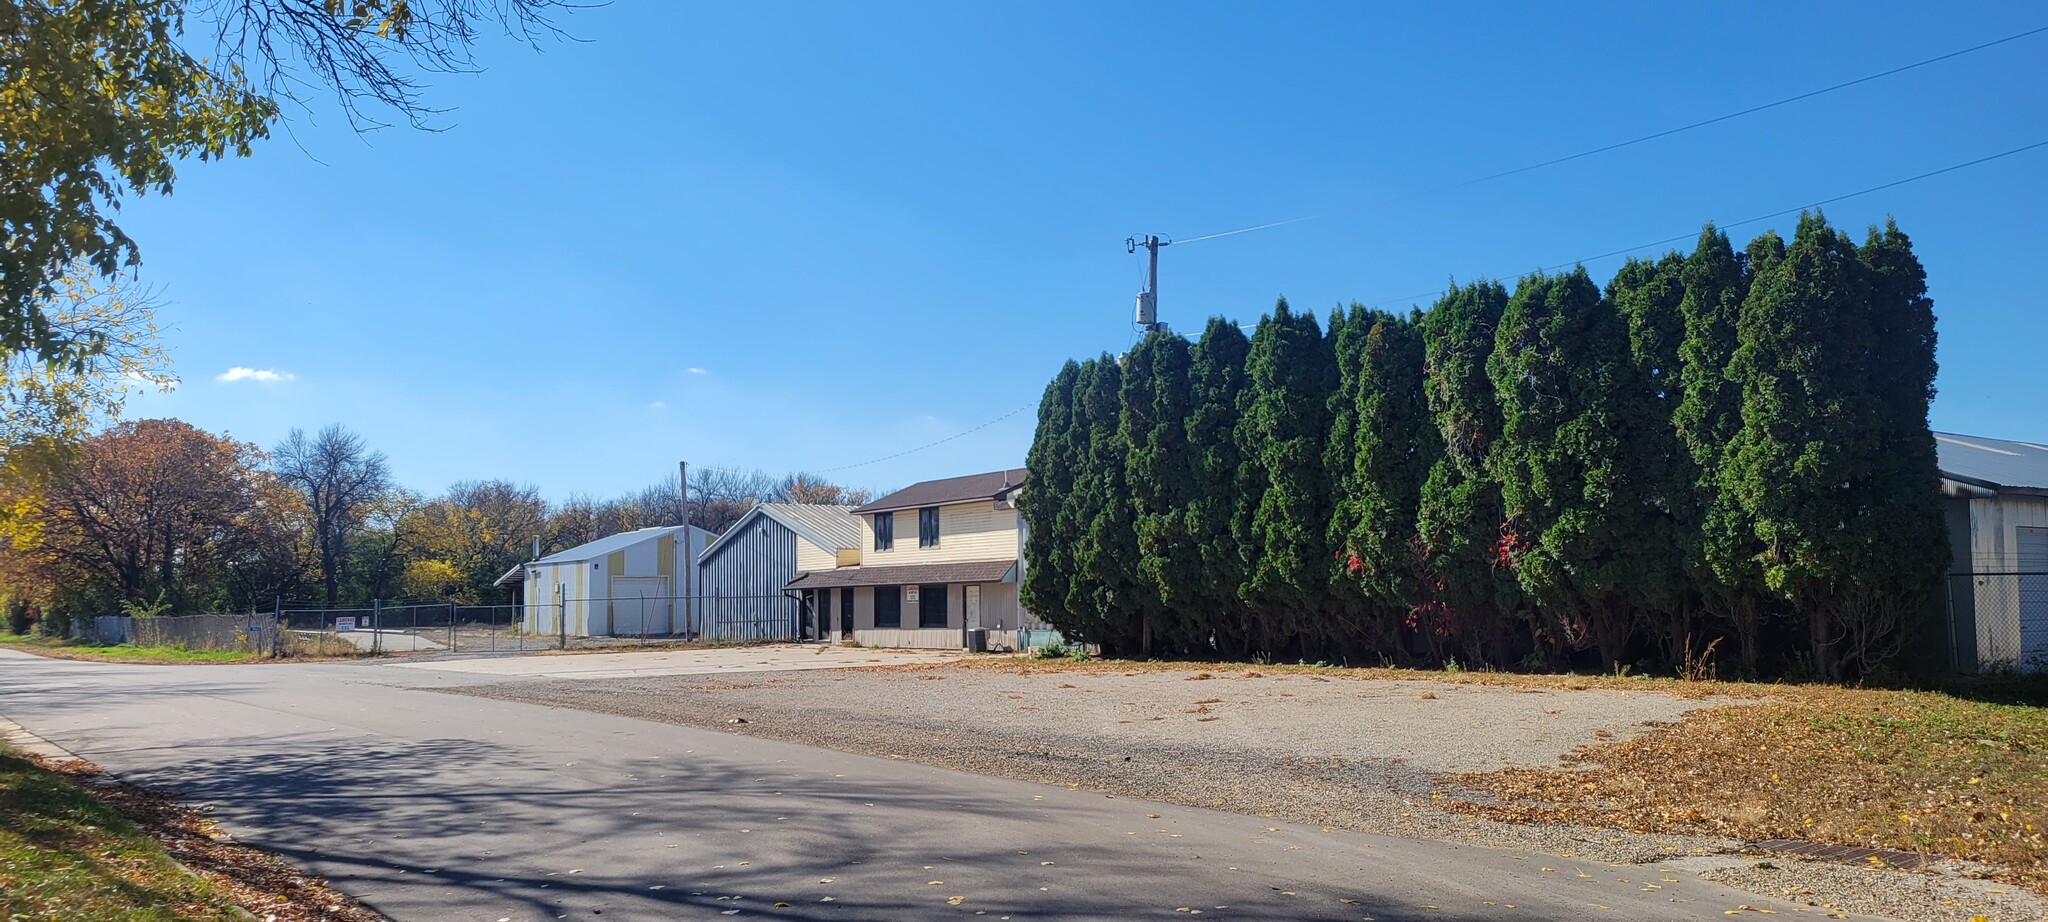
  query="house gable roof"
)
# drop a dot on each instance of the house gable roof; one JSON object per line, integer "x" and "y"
{"x": 968, "y": 489}
{"x": 594, "y": 549}
{"x": 829, "y": 528}
{"x": 1994, "y": 463}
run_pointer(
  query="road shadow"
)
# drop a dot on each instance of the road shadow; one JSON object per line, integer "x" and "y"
{"x": 638, "y": 839}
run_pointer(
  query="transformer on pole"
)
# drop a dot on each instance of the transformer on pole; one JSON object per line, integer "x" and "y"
{"x": 1148, "y": 300}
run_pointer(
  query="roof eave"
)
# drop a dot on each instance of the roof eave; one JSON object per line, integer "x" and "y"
{"x": 949, "y": 502}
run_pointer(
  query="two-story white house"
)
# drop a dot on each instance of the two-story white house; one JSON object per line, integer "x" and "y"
{"x": 938, "y": 565}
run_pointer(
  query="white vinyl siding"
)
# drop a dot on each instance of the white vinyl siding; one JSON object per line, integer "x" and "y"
{"x": 967, "y": 532}
{"x": 811, "y": 558}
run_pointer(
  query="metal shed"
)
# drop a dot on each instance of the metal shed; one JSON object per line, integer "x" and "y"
{"x": 626, "y": 584}
{"x": 742, "y": 574}
{"x": 1996, "y": 496}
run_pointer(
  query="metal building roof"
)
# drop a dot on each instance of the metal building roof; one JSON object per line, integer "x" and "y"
{"x": 625, "y": 539}
{"x": 978, "y": 571}
{"x": 1993, "y": 463}
{"x": 830, "y": 528}
{"x": 971, "y": 488}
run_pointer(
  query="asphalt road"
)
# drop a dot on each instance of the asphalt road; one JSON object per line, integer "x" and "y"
{"x": 433, "y": 806}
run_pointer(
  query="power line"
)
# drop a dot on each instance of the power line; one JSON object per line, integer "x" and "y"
{"x": 1668, "y": 132}
{"x": 1668, "y": 240}
{"x": 1246, "y": 230}
{"x": 1765, "y": 217}
{"x": 912, "y": 451}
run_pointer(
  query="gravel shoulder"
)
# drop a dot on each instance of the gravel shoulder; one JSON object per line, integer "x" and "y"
{"x": 1344, "y": 753}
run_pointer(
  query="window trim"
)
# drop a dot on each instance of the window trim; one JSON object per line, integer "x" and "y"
{"x": 928, "y": 537}
{"x": 929, "y": 598}
{"x": 895, "y": 593}
{"x": 885, "y": 531}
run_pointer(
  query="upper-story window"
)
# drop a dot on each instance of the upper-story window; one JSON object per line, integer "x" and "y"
{"x": 885, "y": 531}
{"x": 928, "y": 527}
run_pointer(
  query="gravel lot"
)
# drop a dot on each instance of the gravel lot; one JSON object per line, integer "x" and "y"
{"x": 1356, "y": 754}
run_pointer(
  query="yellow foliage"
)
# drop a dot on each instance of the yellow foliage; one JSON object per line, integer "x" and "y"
{"x": 63, "y": 401}
{"x": 429, "y": 579}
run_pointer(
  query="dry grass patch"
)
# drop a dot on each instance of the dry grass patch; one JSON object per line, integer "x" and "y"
{"x": 65, "y": 855}
{"x": 96, "y": 834}
{"x": 76, "y": 846}
{"x": 297, "y": 648}
{"x": 1927, "y": 772}
{"x": 1199, "y": 671}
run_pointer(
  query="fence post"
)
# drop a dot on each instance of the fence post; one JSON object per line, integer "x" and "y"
{"x": 1948, "y": 591}
{"x": 277, "y": 628}
{"x": 562, "y": 616}
{"x": 376, "y": 625}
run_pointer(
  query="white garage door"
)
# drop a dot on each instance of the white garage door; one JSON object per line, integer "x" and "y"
{"x": 639, "y": 605}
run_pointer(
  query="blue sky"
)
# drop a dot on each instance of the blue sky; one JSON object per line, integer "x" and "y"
{"x": 802, "y": 236}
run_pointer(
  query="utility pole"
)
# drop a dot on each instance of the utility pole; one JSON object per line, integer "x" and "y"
{"x": 1148, "y": 300}
{"x": 689, "y": 552}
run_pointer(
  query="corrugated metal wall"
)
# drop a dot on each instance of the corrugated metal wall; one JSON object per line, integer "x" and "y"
{"x": 740, "y": 586}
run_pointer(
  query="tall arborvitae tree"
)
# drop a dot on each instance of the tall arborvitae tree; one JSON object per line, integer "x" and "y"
{"x": 1106, "y": 590}
{"x": 1809, "y": 427}
{"x": 1902, "y": 524}
{"x": 1291, "y": 373}
{"x": 1217, "y": 385}
{"x": 1708, "y": 415}
{"x": 1578, "y": 531}
{"x": 1160, "y": 472}
{"x": 1046, "y": 502}
{"x": 1351, "y": 609}
{"x": 1467, "y": 594}
{"x": 1393, "y": 444}
{"x": 1649, "y": 297}
{"x": 1729, "y": 538}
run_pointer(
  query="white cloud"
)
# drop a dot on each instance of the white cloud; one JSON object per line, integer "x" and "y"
{"x": 698, "y": 371}
{"x": 161, "y": 382}
{"x": 657, "y": 406}
{"x": 260, "y": 375}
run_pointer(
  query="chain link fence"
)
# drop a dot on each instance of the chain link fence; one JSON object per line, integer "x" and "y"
{"x": 1998, "y": 622}
{"x": 207, "y": 632}
{"x": 603, "y": 622}
{"x": 417, "y": 627}
{"x": 622, "y": 621}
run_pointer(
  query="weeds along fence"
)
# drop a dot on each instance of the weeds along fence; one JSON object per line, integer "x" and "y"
{"x": 257, "y": 633}
{"x": 1998, "y": 622}
{"x": 597, "y": 622}
{"x": 600, "y": 622}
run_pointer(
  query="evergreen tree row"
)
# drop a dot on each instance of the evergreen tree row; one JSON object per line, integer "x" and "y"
{"x": 1722, "y": 452}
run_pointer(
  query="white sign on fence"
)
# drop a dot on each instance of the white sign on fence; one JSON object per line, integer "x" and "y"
{"x": 345, "y": 625}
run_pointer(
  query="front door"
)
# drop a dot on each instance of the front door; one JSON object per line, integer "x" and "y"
{"x": 824, "y": 615}
{"x": 846, "y": 613}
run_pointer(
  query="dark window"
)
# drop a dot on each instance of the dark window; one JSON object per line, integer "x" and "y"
{"x": 885, "y": 530}
{"x": 846, "y": 611}
{"x": 931, "y": 606}
{"x": 888, "y": 605}
{"x": 928, "y": 527}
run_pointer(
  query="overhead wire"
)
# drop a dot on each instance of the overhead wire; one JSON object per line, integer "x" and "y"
{"x": 911, "y": 451}
{"x": 1765, "y": 217}
{"x": 1503, "y": 174}
{"x": 1655, "y": 135}
{"x": 1625, "y": 250}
